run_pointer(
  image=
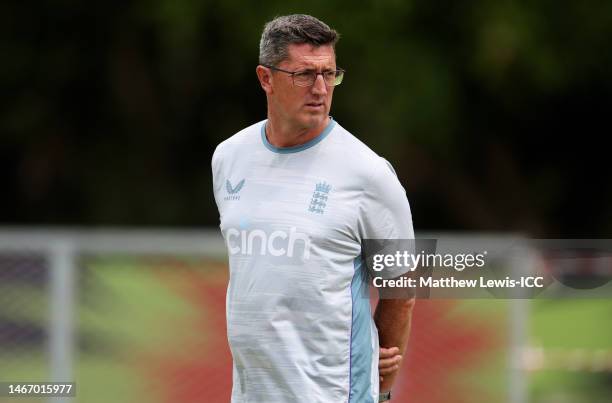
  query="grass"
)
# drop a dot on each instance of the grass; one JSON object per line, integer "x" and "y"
{"x": 129, "y": 312}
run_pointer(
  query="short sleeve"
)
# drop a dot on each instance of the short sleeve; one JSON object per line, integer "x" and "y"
{"x": 216, "y": 176}
{"x": 384, "y": 208}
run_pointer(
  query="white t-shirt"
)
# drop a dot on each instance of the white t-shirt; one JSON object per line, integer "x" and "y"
{"x": 293, "y": 220}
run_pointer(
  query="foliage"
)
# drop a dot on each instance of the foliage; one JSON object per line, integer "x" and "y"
{"x": 491, "y": 112}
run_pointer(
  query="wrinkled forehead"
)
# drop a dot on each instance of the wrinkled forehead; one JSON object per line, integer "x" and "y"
{"x": 307, "y": 56}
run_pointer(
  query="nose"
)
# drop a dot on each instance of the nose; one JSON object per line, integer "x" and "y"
{"x": 319, "y": 87}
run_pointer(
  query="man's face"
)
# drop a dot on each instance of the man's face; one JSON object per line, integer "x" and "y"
{"x": 303, "y": 107}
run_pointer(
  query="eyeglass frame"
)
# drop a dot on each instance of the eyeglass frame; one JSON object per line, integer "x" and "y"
{"x": 293, "y": 73}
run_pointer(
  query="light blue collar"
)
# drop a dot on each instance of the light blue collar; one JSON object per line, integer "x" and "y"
{"x": 298, "y": 148}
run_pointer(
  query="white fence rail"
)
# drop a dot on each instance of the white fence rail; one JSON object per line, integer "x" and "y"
{"x": 62, "y": 249}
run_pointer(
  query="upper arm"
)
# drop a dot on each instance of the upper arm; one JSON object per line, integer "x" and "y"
{"x": 217, "y": 180}
{"x": 385, "y": 216}
{"x": 385, "y": 210}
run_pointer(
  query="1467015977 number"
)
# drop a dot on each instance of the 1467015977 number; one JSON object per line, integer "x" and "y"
{"x": 37, "y": 389}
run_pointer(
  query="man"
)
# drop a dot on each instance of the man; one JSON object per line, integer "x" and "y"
{"x": 297, "y": 195}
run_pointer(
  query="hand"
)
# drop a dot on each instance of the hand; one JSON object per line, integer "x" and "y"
{"x": 389, "y": 361}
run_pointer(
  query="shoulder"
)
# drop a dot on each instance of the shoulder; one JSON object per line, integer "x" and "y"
{"x": 362, "y": 160}
{"x": 351, "y": 144}
{"x": 244, "y": 138}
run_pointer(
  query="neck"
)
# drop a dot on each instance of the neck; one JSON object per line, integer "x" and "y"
{"x": 283, "y": 134}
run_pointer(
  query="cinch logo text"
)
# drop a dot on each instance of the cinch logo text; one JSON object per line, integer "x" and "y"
{"x": 257, "y": 241}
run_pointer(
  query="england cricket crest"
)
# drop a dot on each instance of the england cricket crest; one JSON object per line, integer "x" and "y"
{"x": 319, "y": 198}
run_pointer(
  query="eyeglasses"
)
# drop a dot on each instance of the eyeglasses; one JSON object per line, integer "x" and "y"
{"x": 307, "y": 78}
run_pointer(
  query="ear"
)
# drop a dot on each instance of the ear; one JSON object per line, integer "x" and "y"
{"x": 264, "y": 75}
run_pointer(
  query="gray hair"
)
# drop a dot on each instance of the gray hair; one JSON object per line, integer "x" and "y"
{"x": 282, "y": 31}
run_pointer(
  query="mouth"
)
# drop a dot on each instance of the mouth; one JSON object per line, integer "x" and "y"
{"x": 315, "y": 105}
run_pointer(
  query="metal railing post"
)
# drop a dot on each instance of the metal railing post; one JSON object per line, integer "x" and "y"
{"x": 61, "y": 319}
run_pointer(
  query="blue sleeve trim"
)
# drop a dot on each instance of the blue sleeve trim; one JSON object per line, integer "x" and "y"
{"x": 361, "y": 354}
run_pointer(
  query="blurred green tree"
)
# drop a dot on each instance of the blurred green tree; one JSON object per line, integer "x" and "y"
{"x": 491, "y": 112}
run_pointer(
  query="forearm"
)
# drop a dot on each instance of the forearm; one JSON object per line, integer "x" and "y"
{"x": 392, "y": 319}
